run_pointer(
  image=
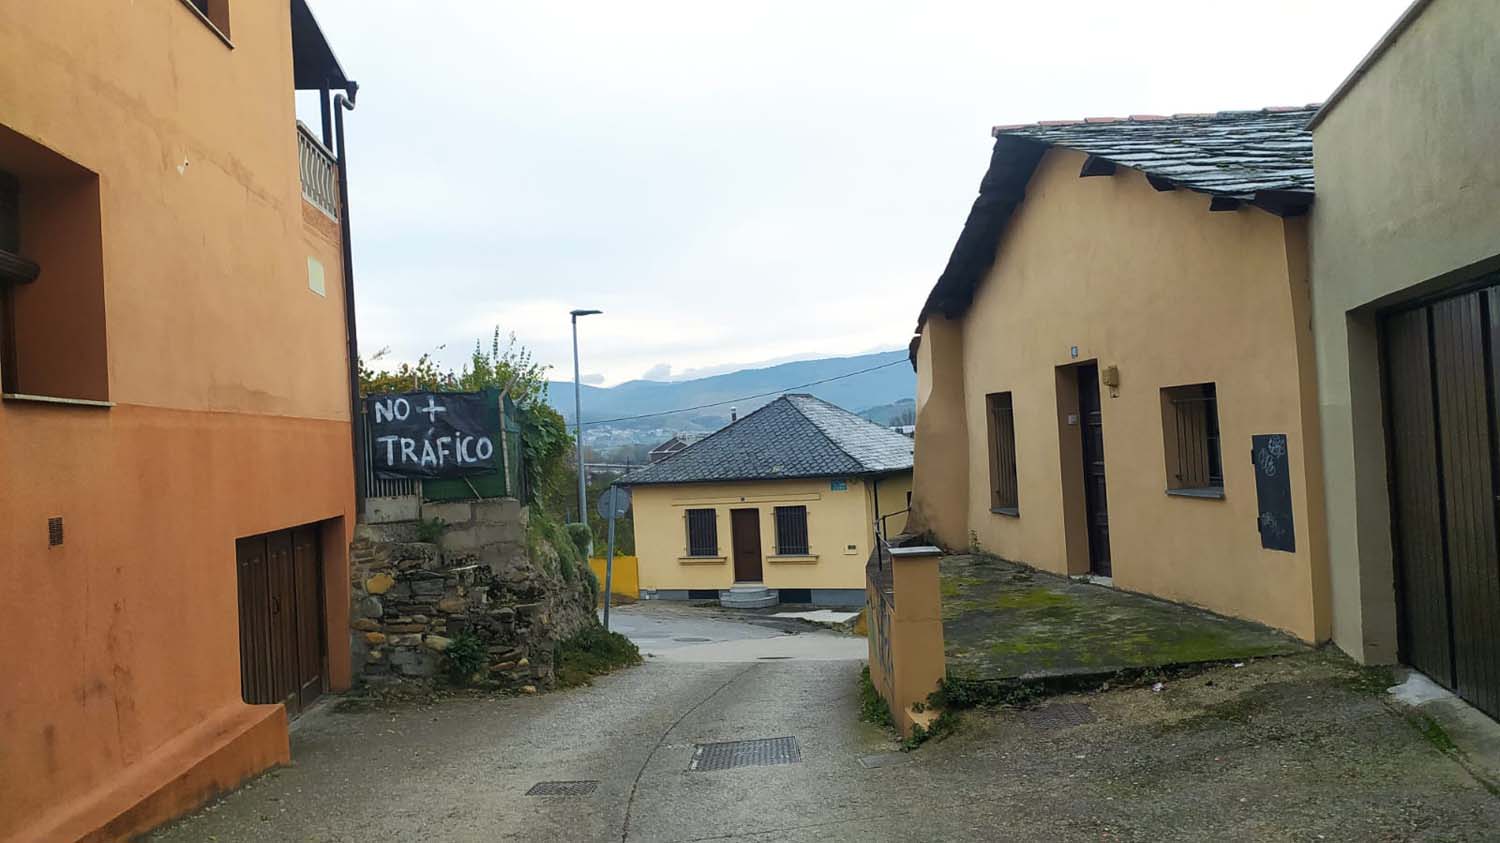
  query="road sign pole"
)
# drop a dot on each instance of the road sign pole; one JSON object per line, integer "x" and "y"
{"x": 609, "y": 561}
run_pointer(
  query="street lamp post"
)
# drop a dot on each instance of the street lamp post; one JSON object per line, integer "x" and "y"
{"x": 583, "y": 512}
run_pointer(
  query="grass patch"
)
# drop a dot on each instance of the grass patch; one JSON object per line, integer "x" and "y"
{"x": 954, "y": 586}
{"x": 872, "y": 707}
{"x": 593, "y": 652}
{"x": 1032, "y": 598}
{"x": 1434, "y": 733}
{"x": 1369, "y": 679}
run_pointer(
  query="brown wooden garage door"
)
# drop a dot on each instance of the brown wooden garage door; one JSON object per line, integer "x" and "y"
{"x": 282, "y": 653}
{"x": 1441, "y": 421}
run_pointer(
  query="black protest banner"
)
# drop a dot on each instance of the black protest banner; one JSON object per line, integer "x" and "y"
{"x": 432, "y": 435}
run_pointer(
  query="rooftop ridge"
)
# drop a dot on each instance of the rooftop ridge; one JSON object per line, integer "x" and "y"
{"x": 997, "y": 131}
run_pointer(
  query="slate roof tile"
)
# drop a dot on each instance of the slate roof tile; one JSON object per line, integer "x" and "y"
{"x": 1229, "y": 152}
{"x": 793, "y": 436}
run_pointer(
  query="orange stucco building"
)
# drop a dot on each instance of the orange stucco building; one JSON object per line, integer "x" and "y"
{"x": 175, "y": 438}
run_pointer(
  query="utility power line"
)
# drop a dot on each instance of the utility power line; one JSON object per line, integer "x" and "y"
{"x": 781, "y": 391}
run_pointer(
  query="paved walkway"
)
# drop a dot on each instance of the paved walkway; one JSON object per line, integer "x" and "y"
{"x": 1283, "y": 749}
{"x": 1003, "y": 621}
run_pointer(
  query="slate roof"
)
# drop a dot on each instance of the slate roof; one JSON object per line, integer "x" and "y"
{"x": 1231, "y": 153}
{"x": 793, "y": 436}
{"x": 1259, "y": 157}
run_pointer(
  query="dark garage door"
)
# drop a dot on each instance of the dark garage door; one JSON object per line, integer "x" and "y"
{"x": 281, "y": 618}
{"x": 1441, "y": 420}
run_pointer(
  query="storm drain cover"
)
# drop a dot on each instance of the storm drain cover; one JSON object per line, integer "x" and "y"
{"x": 1060, "y": 716}
{"x": 562, "y": 788}
{"x": 762, "y": 752}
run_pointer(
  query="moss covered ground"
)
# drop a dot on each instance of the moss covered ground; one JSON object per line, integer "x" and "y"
{"x": 1005, "y": 621}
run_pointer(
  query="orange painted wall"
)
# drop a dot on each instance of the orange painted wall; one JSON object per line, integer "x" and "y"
{"x": 121, "y": 668}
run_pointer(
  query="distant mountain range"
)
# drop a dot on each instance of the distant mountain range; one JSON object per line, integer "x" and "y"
{"x": 879, "y": 389}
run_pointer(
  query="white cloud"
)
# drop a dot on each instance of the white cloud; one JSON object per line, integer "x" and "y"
{"x": 659, "y": 372}
{"x": 739, "y": 183}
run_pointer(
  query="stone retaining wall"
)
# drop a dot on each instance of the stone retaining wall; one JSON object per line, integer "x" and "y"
{"x": 412, "y": 597}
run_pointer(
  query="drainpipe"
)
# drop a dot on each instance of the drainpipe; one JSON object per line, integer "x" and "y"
{"x": 340, "y": 105}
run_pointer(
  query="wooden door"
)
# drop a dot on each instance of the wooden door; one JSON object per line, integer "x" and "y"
{"x": 1096, "y": 503}
{"x": 282, "y": 650}
{"x": 308, "y": 585}
{"x": 255, "y": 619}
{"x": 283, "y": 608}
{"x": 1441, "y": 396}
{"x": 744, "y": 528}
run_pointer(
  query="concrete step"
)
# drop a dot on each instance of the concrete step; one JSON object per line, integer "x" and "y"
{"x": 748, "y": 596}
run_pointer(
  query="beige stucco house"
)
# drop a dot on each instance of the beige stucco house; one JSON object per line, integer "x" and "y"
{"x": 780, "y": 506}
{"x": 1406, "y": 303}
{"x": 1115, "y": 370}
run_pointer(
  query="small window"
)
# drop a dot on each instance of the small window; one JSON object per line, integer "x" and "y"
{"x": 52, "y": 328}
{"x": 1190, "y": 423}
{"x": 215, "y": 12}
{"x": 702, "y": 532}
{"x": 1004, "y": 493}
{"x": 791, "y": 531}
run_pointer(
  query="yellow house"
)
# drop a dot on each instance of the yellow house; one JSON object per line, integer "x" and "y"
{"x": 1115, "y": 372}
{"x": 780, "y": 506}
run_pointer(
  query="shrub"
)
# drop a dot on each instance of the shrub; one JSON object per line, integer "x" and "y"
{"x": 542, "y": 529}
{"x": 464, "y": 657}
{"x": 430, "y": 531}
{"x": 872, "y": 706}
{"x": 582, "y": 538}
{"x": 593, "y": 652}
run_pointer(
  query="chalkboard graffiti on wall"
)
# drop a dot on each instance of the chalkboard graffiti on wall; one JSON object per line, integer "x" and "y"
{"x": 1273, "y": 492}
{"x": 432, "y": 435}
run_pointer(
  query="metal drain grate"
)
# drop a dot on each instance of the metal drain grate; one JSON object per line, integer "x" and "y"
{"x": 1060, "y": 716}
{"x": 762, "y": 752}
{"x": 562, "y": 788}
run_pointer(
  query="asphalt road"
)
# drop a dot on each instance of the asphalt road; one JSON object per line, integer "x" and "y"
{"x": 1280, "y": 750}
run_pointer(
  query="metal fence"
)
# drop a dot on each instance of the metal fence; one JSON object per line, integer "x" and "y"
{"x": 319, "y": 168}
{"x": 375, "y": 487}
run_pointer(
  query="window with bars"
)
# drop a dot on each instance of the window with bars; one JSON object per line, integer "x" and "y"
{"x": 791, "y": 531}
{"x": 702, "y": 532}
{"x": 1190, "y": 423}
{"x": 1004, "y": 491}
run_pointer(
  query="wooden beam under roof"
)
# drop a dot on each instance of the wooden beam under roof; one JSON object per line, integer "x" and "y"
{"x": 1096, "y": 166}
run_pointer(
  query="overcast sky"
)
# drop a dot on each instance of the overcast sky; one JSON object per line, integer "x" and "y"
{"x": 739, "y": 183}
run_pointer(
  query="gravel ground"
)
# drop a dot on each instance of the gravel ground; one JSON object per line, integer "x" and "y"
{"x": 1294, "y": 748}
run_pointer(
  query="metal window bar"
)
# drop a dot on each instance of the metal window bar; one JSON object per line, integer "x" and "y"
{"x": 1004, "y": 488}
{"x": 791, "y": 531}
{"x": 702, "y": 532}
{"x": 319, "y": 169}
{"x": 1200, "y": 462}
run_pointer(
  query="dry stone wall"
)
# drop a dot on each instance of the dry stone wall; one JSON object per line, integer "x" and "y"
{"x": 414, "y": 593}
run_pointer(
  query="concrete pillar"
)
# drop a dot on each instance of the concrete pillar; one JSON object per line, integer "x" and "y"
{"x": 907, "y": 661}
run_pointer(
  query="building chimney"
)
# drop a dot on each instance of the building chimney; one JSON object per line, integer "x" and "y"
{"x": 734, "y": 415}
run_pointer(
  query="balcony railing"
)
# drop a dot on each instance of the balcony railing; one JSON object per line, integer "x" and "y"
{"x": 320, "y": 181}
